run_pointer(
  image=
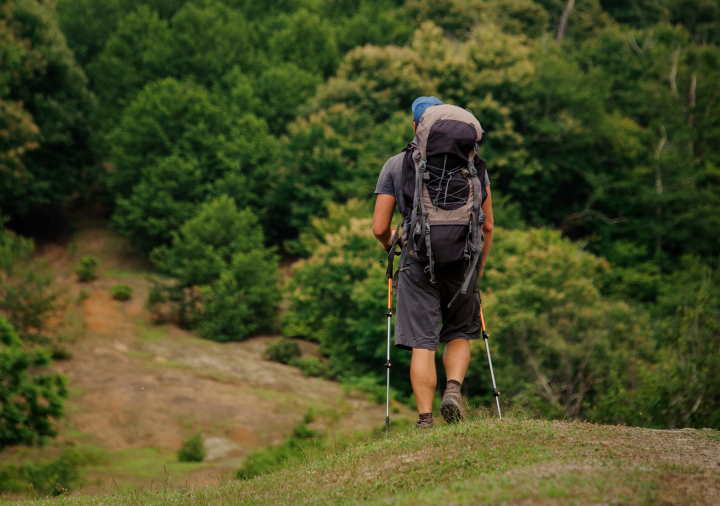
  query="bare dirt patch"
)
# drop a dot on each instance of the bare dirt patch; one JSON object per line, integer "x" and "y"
{"x": 135, "y": 385}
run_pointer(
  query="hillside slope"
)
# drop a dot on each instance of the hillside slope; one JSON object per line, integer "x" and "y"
{"x": 484, "y": 461}
{"x": 138, "y": 390}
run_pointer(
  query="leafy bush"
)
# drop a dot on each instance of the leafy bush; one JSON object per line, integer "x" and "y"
{"x": 82, "y": 296}
{"x": 54, "y": 477}
{"x": 225, "y": 278}
{"x": 28, "y": 296}
{"x": 677, "y": 389}
{"x": 271, "y": 459}
{"x": 192, "y": 450}
{"x": 559, "y": 344}
{"x": 121, "y": 292}
{"x": 30, "y": 399}
{"x": 86, "y": 269}
{"x": 336, "y": 297}
{"x": 312, "y": 366}
{"x": 283, "y": 351}
{"x": 46, "y": 106}
{"x": 367, "y": 384}
{"x": 178, "y": 147}
{"x": 57, "y": 477}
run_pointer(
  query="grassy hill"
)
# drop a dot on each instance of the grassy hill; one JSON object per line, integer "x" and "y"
{"x": 516, "y": 461}
{"x": 138, "y": 390}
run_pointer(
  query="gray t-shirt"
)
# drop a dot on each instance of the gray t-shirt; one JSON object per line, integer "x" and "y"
{"x": 390, "y": 180}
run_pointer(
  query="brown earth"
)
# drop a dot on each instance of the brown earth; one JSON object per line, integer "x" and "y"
{"x": 135, "y": 385}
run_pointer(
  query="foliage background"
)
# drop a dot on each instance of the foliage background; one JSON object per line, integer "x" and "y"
{"x": 225, "y": 136}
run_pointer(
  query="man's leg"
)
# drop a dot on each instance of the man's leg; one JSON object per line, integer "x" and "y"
{"x": 456, "y": 359}
{"x": 423, "y": 378}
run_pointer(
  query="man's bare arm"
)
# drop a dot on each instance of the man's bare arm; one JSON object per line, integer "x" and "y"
{"x": 382, "y": 218}
{"x": 487, "y": 229}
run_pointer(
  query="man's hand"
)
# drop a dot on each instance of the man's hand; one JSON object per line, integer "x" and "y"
{"x": 392, "y": 240}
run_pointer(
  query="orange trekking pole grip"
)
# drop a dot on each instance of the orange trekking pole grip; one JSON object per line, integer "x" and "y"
{"x": 389, "y": 305}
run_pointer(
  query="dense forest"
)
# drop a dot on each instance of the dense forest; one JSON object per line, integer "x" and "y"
{"x": 224, "y": 138}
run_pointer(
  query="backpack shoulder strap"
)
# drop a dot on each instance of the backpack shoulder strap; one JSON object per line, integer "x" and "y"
{"x": 408, "y": 179}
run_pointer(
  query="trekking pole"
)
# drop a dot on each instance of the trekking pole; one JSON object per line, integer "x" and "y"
{"x": 492, "y": 374}
{"x": 388, "y": 364}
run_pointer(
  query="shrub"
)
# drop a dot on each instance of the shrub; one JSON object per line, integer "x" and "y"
{"x": 312, "y": 366}
{"x": 178, "y": 147}
{"x": 82, "y": 296}
{"x": 55, "y": 477}
{"x": 283, "y": 351}
{"x": 193, "y": 450}
{"x": 292, "y": 449}
{"x": 225, "y": 278}
{"x": 28, "y": 295}
{"x": 336, "y": 297}
{"x": 366, "y": 384}
{"x": 559, "y": 345}
{"x": 30, "y": 399}
{"x": 87, "y": 269}
{"x": 121, "y": 292}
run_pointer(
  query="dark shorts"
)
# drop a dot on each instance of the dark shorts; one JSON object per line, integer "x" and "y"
{"x": 423, "y": 318}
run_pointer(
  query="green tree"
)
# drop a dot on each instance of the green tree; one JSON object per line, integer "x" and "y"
{"x": 306, "y": 40}
{"x": 137, "y": 52}
{"x": 374, "y": 22}
{"x": 331, "y": 156}
{"x": 29, "y": 399}
{"x": 175, "y": 146}
{"x": 559, "y": 344}
{"x": 459, "y": 17}
{"x": 282, "y": 90}
{"x": 208, "y": 39}
{"x": 337, "y": 295}
{"x": 28, "y": 296}
{"x": 88, "y": 24}
{"x": 225, "y": 279}
{"x": 45, "y": 106}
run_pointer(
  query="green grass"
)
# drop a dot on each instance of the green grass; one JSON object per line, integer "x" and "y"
{"x": 143, "y": 463}
{"x": 482, "y": 461}
{"x": 149, "y": 332}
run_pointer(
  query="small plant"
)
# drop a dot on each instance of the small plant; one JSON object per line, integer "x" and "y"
{"x": 365, "y": 384}
{"x": 283, "y": 351}
{"x": 313, "y": 367}
{"x": 121, "y": 292}
{"x": 295, "y": 447}
{"x": 193, "y": 450}
{"x": 59, "y": 352}
{"x": 82, "y": 296}
{"x": 52, "y": 478}
{"x": 87, "y": 269}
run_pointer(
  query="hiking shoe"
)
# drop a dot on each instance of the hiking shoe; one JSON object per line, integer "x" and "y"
{"x": 451, "y": 406}
{"x": 424, "y": 422}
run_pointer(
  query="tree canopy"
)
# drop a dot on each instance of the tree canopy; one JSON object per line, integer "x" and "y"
{"x": 193, "y": 121}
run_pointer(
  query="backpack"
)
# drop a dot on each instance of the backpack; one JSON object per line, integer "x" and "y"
{"x": 443, "y": 187}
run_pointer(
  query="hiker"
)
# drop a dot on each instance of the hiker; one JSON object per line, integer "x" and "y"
{"x": 441, "y": 188}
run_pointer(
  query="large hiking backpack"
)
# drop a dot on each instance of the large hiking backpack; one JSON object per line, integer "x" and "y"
{"x": 443, "y": 187}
